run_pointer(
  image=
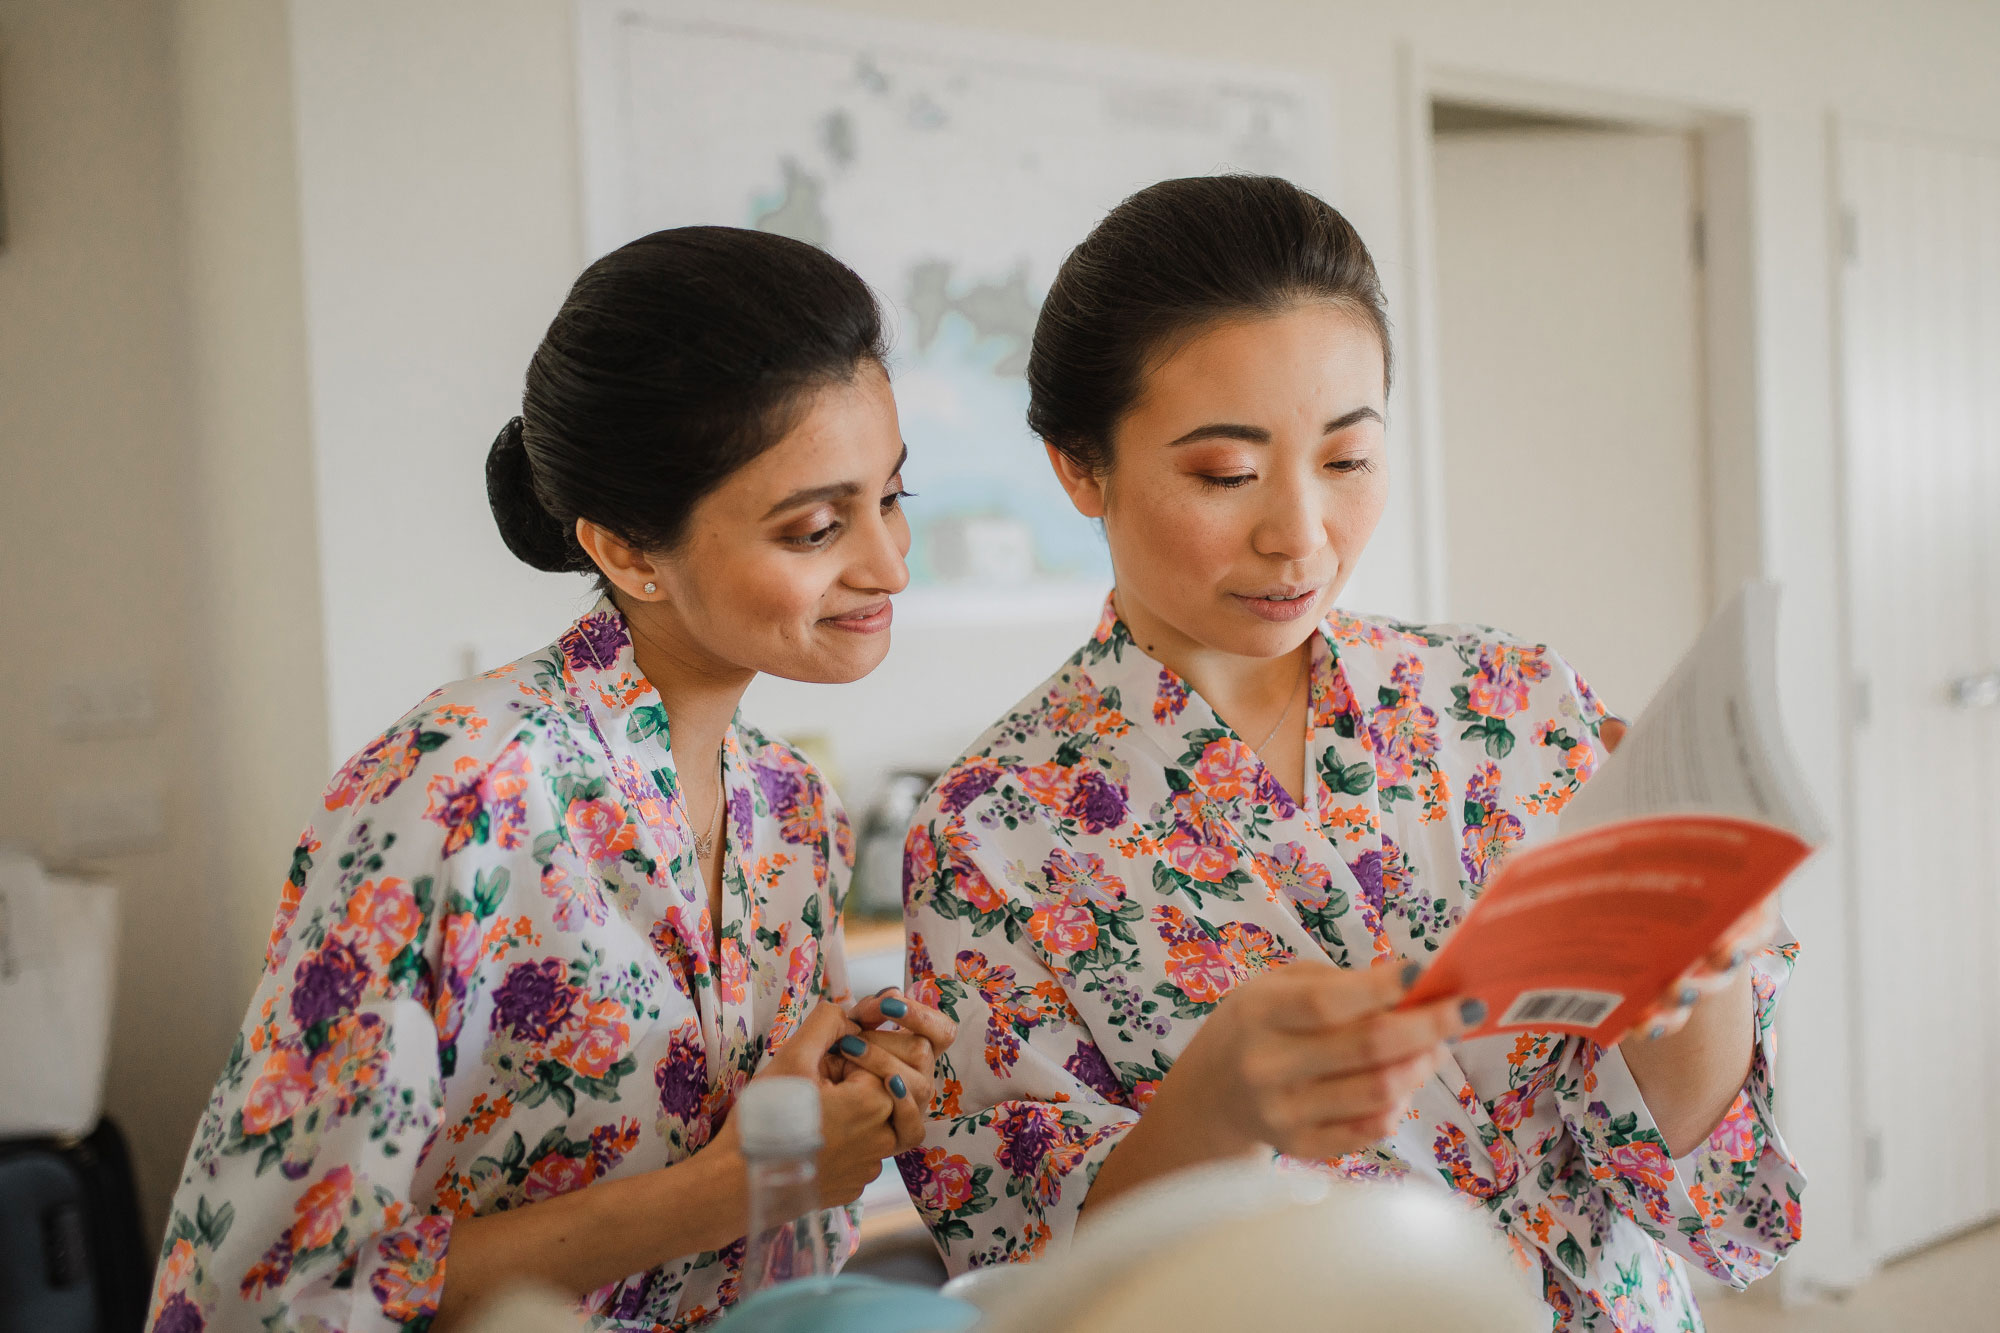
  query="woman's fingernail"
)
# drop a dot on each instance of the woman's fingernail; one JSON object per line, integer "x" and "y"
{"x": 1737, "y": 959}
{"x": 1659, "y": 1031}
{"x": 1411, "y": 971}
{"x": 886, "y": 990}
{"x": 851, "y": 1045}
{"x": 898, "y": 1088}
{"x": 894, "y": 1008}
{"x": 1472, "y": 1013}
{"x": 1689, "y": 994}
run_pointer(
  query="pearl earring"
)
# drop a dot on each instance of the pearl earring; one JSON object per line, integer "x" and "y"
{"x": 652, "y": 587}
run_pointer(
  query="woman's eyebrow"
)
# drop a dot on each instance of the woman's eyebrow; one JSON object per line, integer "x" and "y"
{"x": 1229, "y": 430}
{"x": 839, "y": 490}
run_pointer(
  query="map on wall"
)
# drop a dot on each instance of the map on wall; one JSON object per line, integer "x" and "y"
{"x": 953, "y": 171}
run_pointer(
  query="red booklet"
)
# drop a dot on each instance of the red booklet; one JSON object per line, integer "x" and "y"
{"x": 1700, "y": 816}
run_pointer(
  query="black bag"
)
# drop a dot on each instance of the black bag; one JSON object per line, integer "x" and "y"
{"x": 72, "y": 1258}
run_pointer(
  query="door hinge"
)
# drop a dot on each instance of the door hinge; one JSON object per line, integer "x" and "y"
{"x": 1871, "y": 1158}
{"x": 1864, "y": 703}
{"x": 1850, "y": 236}
{"x": 1698, "y": 239}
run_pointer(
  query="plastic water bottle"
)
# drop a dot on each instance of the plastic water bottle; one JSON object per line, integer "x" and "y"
{"x": 778, "y": 1121}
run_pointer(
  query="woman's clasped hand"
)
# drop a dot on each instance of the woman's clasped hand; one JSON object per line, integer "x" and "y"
{"x": 874, "y": 1064}
{"x": 1312, "y": 1059}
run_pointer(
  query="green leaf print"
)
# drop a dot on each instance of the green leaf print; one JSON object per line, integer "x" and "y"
{"x": 1352, "y": 780}
{"x": 646, "y": 722}
{"x": 1571, "y": 1255}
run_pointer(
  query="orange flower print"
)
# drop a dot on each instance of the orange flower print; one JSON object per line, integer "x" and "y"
{"x": 596, "y": 1040}
{"x": 1199, "y": 846}
{"x": 409, "y": 1281}
{"x": 382, "y": 918}
{"x": 372, "y": 775}
{"x": 599, "y": 829}
{"x": 734, "y": 973}
{"x": 1083, "y": 879}
{"x": 1499, "y": 688}
{"x": 455, "y": 804}
{"x": 1404, "y": 732}
{"x": 1169, "y": 698}
{"x": 556, "y": 1173}
{"x": 322, "y": 1211}
{"x": 1227, "y": 769}
{"x": 1332, "y": 695}
{"x": 972, "y": 885}
{"x": 1291, "y": 874}
{"x": 1064, "y": 929}
{"x": 1200, "y": 970}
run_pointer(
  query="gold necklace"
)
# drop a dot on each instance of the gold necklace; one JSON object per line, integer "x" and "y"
{"x": 1258, "y": 748}
{"x": 704, "y": 843}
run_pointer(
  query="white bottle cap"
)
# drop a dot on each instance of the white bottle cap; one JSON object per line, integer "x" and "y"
{"x": 778, "y": 1117}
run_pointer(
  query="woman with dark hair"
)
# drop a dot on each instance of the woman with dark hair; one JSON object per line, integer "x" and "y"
{"x": 1173, "y": 896}
{"x": 551, "y": 921}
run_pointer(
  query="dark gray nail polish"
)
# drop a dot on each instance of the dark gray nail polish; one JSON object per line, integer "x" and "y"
{"x": 851, "y": 1045}
{"x": 1411, "y": 971}
{"x": 894, "y": 1007}
{"x": 1689, "y": 994}
{"x": 898, "y": 1088}
{"x": 1737, "y": 959}
{"x": 1472, "y": 1013}
{"x": 1659, "y": 1031}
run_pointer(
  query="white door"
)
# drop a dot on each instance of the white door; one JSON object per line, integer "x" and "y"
{"x": 1569, "y": 320}
{"x": 1921, "y": 343}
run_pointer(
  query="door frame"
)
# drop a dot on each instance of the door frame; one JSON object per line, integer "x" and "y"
{"x": 1740, "y": 483}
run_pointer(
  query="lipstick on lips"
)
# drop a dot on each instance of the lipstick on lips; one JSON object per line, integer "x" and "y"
{"x": 1280, "y": 604}
{"x": 870, "y": 619}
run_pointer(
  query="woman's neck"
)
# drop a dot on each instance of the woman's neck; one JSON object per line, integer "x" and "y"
{"x": 699, "y": 692}
{"x": 1248, "y": 693}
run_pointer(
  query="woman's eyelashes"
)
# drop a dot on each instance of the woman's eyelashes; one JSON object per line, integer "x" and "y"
{"x": 826, "y": 527}
{"x": 1229, "y": 481}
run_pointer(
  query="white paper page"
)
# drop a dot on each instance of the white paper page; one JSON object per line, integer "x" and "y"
{"x": 1711, "y": 742}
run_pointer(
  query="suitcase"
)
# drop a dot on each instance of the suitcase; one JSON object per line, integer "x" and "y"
{"x": 72, "y": 1256}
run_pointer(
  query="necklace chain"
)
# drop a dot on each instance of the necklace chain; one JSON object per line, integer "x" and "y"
{"x": 1258, "y": 748}
{"x": 704, "y": 843}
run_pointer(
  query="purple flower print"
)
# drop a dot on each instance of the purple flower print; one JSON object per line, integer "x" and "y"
{"x": 1097, "y": 803}
{"x": 682, "y": 1076}
{"x": 1367, "y": 869}
{"x": 593, "y": 643}
{"x": 1027, "y": 1131}
{"x": 328, "y": 984}
{"x": 780, "y": 787}
{"x": 967, "y": 785}
{"x": 1094, "y": 1072}
{"x": 534, "y": 1000}
{"x": 179, "y": 1315}
{"x": 742, "y": 809}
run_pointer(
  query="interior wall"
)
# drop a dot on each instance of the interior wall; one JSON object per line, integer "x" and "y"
{"x": 96, "y": 433}
{"x": 426, "y": 289}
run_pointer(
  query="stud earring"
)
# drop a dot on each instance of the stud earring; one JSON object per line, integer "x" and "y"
{"x": 652, "y": 587}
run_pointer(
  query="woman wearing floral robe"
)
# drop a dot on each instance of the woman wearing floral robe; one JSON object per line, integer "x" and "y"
{"x": 548, "y": 924}
{"x": 1113, "y": 868}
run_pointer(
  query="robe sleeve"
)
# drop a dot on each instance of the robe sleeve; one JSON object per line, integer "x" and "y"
{"x": 1027, "y": 1106}
{"x": 297, "y": 1208}
{"x": 1733, "y": 1204}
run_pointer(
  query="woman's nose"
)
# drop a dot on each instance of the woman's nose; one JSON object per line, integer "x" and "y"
{"x": 881, "y": 565}
{"x": 1291, "y": 526}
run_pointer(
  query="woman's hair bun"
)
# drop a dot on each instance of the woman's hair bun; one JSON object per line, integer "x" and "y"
{"x": 531, "y": 532}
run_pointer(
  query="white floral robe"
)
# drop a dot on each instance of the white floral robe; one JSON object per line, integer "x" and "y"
{"x": 491, "y": 981}
{"x": 1109, "y": 860}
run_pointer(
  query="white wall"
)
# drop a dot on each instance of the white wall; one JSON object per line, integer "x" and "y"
{"x": 97, "y": 453}
{"x": 438, "y": 175}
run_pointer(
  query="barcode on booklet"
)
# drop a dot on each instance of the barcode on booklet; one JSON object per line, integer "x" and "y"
{"x": 1580, "y": 1008}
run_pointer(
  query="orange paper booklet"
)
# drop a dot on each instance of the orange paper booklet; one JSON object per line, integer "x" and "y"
{"x": 1700, "y": 815}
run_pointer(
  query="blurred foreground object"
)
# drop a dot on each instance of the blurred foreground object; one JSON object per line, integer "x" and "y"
{"x": 847, "y": 1305}
{"x": 58, "y": 945}
{"x": 527, "y": 1309}
{"x": 1241, "y": 1246}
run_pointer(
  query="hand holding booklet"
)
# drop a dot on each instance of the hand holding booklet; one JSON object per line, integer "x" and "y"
{"x": 1699, "y": 816}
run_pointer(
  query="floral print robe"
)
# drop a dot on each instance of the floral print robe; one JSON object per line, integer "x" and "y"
{"x": 1102, "y": 867}
{"x": 491, "y": 981}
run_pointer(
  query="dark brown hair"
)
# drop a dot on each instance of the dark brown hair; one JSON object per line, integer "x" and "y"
{"x": 1168, "y": 261}
{"x": 674, "y": 361}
